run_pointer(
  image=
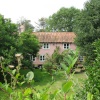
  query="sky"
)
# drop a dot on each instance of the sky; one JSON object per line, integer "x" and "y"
{"x": 35, "y": 9}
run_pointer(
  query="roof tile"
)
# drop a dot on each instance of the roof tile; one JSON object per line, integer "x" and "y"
{"x": 55, "y": 36}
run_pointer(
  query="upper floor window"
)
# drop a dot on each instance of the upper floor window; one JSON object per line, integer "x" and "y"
{"x": 42, "y": 57}
{"x": 46, "y": 46}
{"x": 66, "y": 45}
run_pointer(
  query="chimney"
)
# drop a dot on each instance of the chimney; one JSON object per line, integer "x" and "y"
{"x": 21, "y": 28}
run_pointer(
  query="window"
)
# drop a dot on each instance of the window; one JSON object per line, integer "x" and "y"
{"x": 46, "y": 46}
{"x": 32, "y": 58}
{"x": 66, "y": 45}
{"x": 42, "y": 58}
{"x": 80, "y": 58}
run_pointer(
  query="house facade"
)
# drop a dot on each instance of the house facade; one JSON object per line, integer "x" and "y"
{"x": 50, "y": 40}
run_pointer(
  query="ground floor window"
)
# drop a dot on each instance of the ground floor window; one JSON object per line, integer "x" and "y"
{"x": 80, "y": 58}
{"x": 42, "y": 57}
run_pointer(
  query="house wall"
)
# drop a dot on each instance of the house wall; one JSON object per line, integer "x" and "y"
{"x": 50, "y": 51}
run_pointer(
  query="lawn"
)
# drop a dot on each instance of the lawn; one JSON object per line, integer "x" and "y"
{"x": 44, "y": 80}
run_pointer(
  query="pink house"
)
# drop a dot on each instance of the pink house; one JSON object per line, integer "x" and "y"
{"x": 51, "y": 40}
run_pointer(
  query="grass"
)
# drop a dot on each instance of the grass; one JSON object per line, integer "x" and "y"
{"x": 43, "y": 80}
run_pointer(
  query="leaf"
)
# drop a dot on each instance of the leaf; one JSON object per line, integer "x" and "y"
{"x": 66, "y": 87}
{"x": 54, "y": 94}
{"x": 89, "y": 96}
{"x": 9, "y": 90}
{"x": 1, "y": 85}
{"x": 14, "y": 71}
{"x": 27, "y": 92}
{"x": 44, "y": 97}
{"x": 20, "y": 83}
{"x": 20, "y": 95}
{"x": 17, "y": 75}
{"x": 30, "y": 75}
{"x": 64, "y": 66}
{"x": 71, "y": 65}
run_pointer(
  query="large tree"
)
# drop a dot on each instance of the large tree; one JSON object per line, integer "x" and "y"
{"x": 8, "y": 37}
{"x": 12, "y": 43}
{"x": 63, "y": 20}
{"x": 88, "y": 41}
{"x": 88, "y": 29}
{"x": 41, "y": 25}
{"x": 28, "y": 46}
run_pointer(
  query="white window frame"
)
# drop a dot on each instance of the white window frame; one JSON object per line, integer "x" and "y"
{"x": 33, "y": 58}
{"x": 42, "y": 58}
{"x": 46, "y": 45}
{"x": 66, "y": 45}
{"x": 80, "y": 58}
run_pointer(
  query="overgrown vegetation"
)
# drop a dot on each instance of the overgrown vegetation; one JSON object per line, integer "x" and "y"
{"x": 88, "y": 35}
{"x": 28, "y": 92}
{"x": 12, "y": 43}
{"x": 87, "y": 27}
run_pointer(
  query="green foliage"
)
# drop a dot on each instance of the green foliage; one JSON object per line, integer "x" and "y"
{"x": 28, "y": 46}
{"x": 67, "y": 86}
{"x": 89, "y": 96}
{"x": 62, "y": 21}
{"x": 41, "y": 25}
{"x": 8, "y": 38}
{"x": 30, "y": 76}
{"x": 11, "y": 43}
{"x": 9, "y": 88}
{"x": 92, "y": 84}
{"x": 88, "y": 29}
{"x": 89, "y": 32}
{"x": 28, "y": 43}
{"x": 52, "y": 62}
{"x": 69, "y": 60}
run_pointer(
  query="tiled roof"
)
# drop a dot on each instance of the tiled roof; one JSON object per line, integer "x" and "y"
{"x": 55, "y": 36}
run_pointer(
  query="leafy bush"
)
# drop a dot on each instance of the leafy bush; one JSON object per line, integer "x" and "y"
{"x": 92, "y": 84}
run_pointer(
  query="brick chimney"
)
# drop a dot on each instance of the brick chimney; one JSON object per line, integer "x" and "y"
{"x": 21, "y": 28}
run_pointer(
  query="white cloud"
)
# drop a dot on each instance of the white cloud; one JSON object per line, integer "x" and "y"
{"x": 35, "y": 9}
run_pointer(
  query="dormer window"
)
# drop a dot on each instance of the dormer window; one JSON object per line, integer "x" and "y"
{"x": 66, "y": 45}
{"x": 46, "y": 46}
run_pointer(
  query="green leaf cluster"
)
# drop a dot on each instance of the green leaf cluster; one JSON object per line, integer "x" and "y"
{"x": 64, "y": 20}
{"x": 88, "y": 29}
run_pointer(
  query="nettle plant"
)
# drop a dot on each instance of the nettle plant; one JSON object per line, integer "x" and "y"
{"x": 10, "y": 87}
{"x": 27, "y": 93}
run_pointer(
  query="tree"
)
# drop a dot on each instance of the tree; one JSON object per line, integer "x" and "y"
{"x": 12, "y": 43}
{"x": 8, "y": 37}
{"x": 88, "y": 29}
{"x": 28, "y": 46}
{"x": 63, "y": 20}
{"x": 41, "y": 25}
{"x": 66, "y": 59}
{"x": 88, "y": 41}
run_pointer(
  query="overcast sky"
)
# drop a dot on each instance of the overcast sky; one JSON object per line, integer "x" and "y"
{"x": 35, "y": 9}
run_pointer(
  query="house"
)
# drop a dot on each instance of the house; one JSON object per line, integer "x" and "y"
{"x": 50, "y": 40}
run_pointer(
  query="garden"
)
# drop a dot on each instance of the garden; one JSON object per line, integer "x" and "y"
{"x": 58, "y": 79}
